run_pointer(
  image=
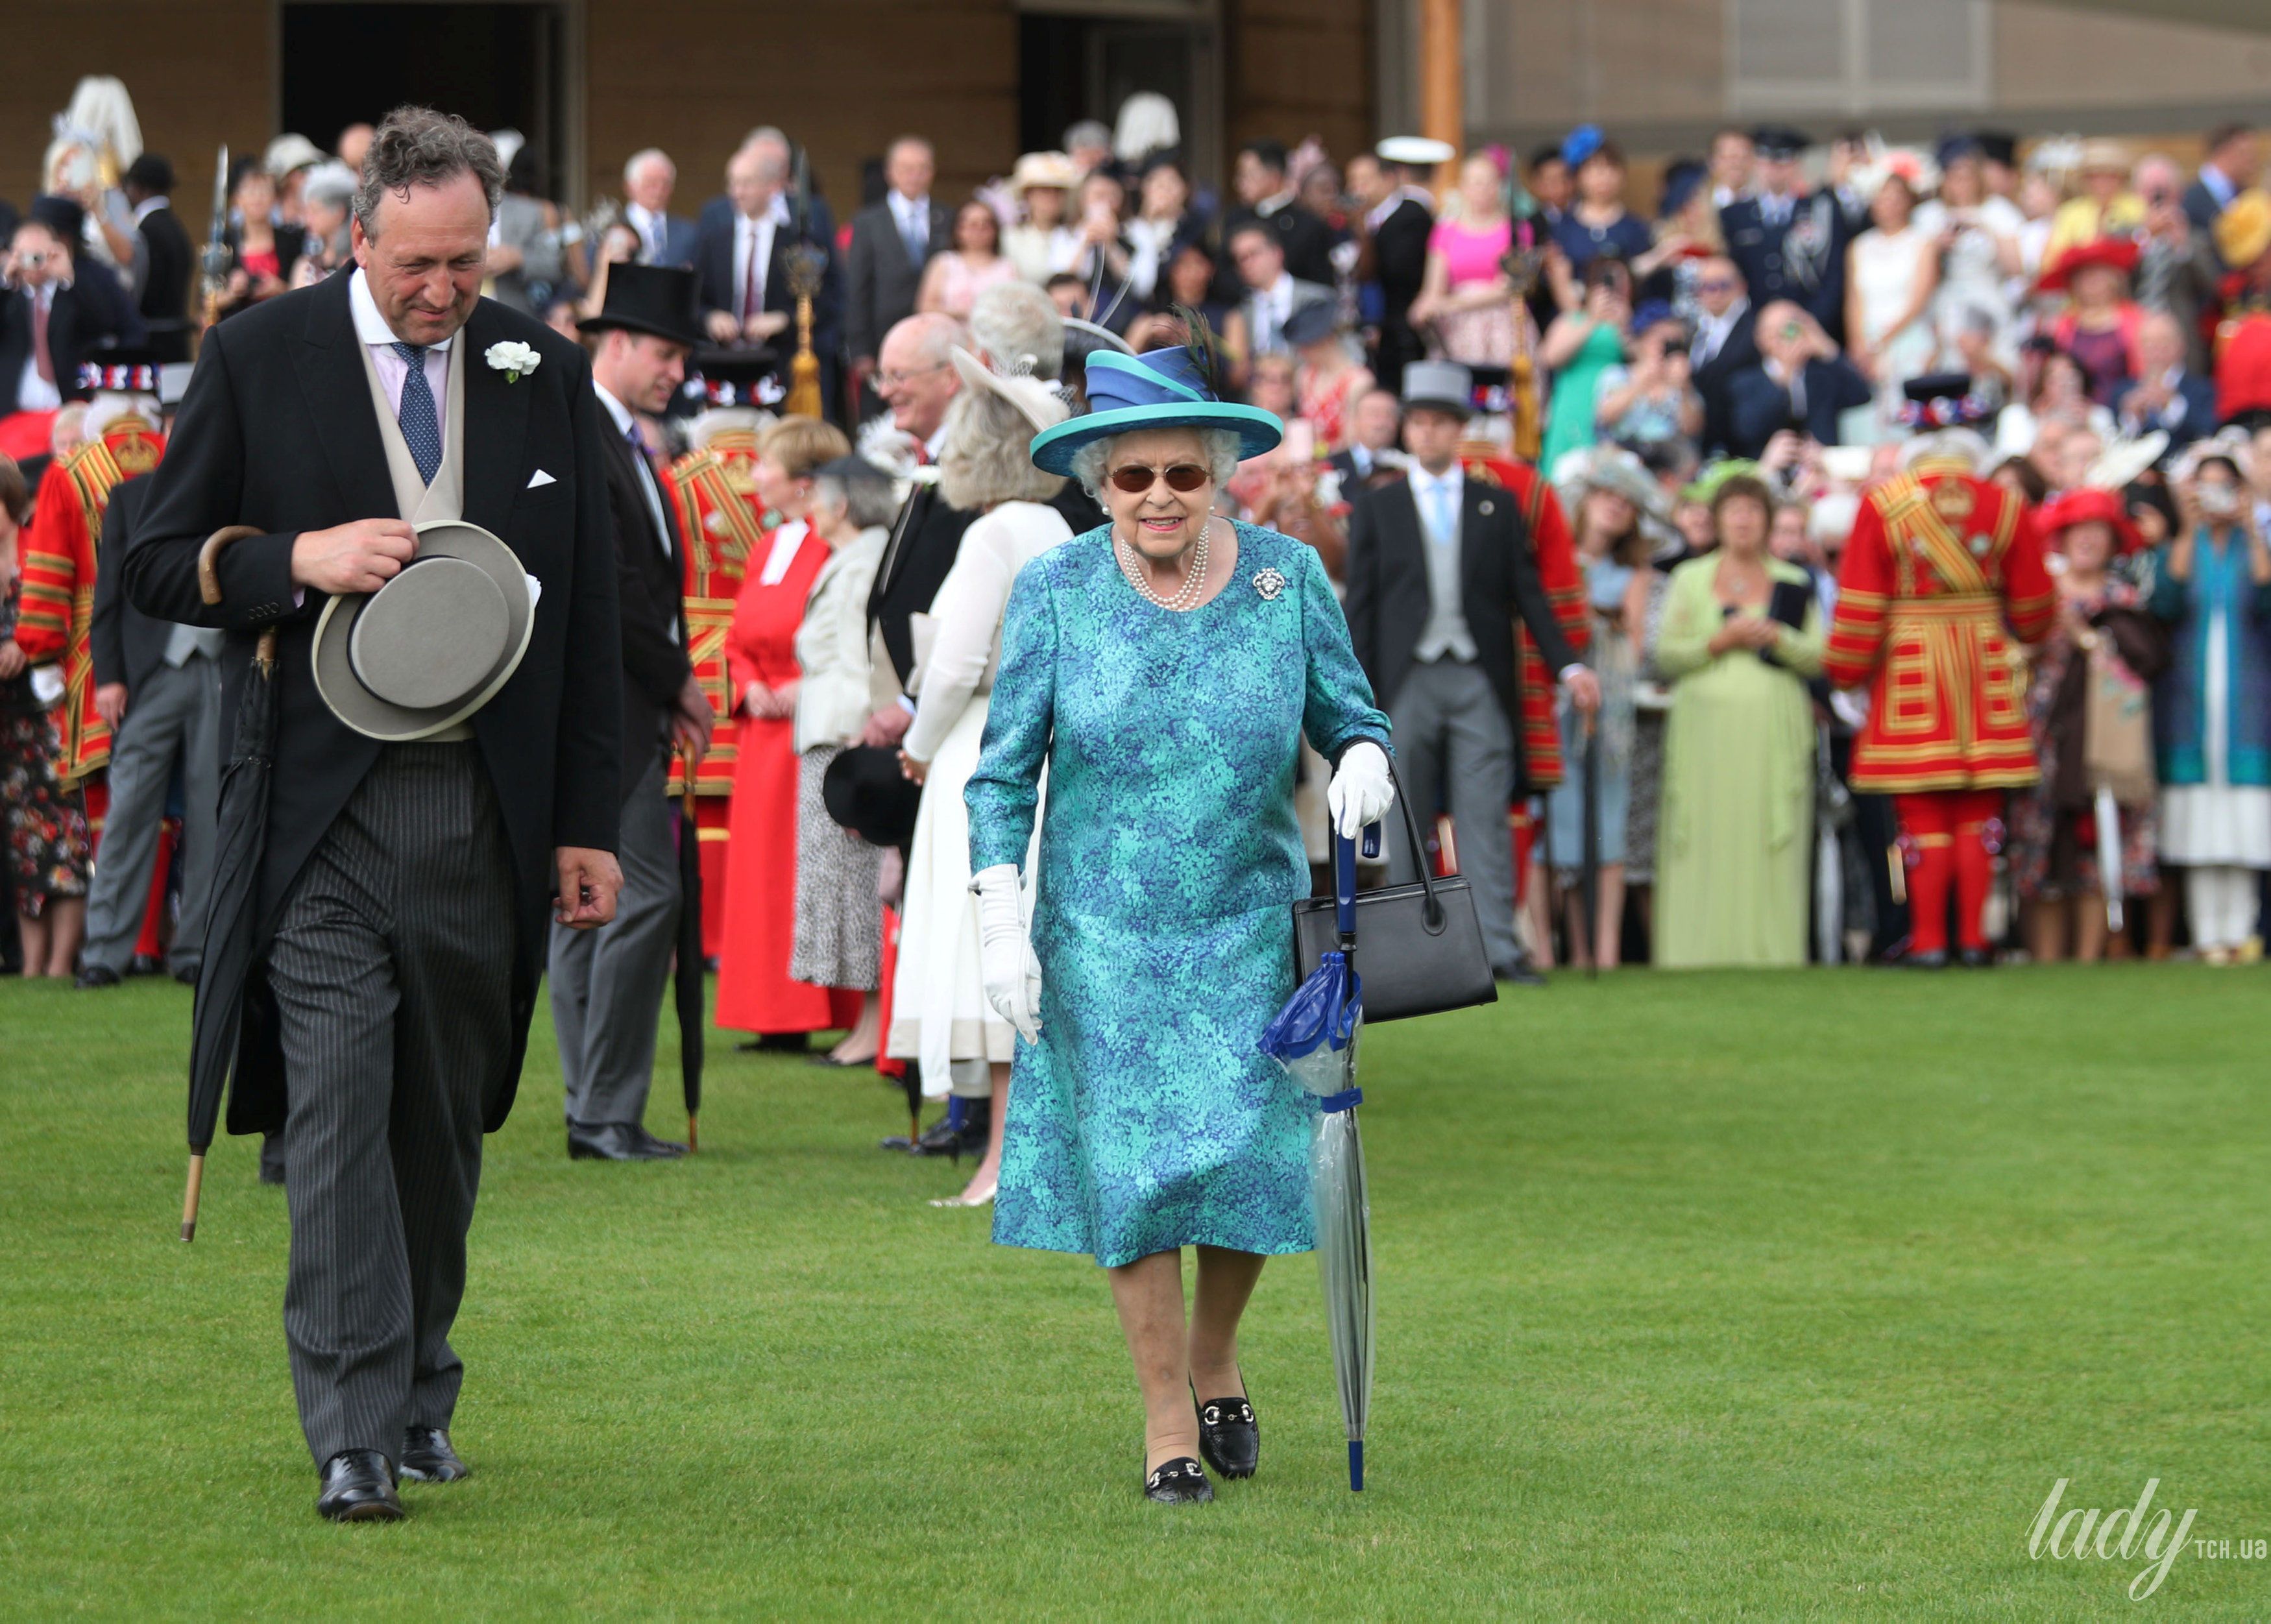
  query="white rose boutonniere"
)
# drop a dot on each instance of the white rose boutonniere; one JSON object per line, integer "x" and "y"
{"x": 512, "y": 360}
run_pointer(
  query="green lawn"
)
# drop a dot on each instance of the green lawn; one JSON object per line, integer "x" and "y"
{"x": 1715, "y": 1296}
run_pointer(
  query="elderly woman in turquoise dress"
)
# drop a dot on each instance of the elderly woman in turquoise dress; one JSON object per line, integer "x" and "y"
{"x": 1163, "y": 668}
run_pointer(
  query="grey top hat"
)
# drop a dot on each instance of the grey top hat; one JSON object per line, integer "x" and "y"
{"x": 1444, "y": 384}
{"x": 434, "y": 644}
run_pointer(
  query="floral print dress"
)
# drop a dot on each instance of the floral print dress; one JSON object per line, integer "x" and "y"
{"x": 1146, "y": 1118}
{"x": 49, "y": 853}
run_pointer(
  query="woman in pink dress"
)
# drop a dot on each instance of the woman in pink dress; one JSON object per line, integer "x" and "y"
{"x": 1467, "y": 297}
{"x": 755, "y": 993}
{"x": 952, "y": 280}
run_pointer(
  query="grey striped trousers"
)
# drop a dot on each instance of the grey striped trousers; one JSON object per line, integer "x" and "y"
{"x": 391, "y": 969}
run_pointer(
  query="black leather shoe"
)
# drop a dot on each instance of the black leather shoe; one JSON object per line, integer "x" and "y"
{"x": 1978, "y": 959}
{"x": 144, "y": 963}
{"x": 186, "y": 975}
{"x": 96, "y": 975}
{"x": 271, "y": 1158}
{"x": 618, "y": 1141}
{"x": 427, "y": 1456}
{"x": 359, "y": 1488}
{"x": 1230, "y": 1437}
{"x": 1179, "y": 1482}
{"x": 1520, "y": 973}
{"x": 1936, "y": 959}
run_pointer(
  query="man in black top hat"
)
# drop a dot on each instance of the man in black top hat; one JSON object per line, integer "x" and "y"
{"x": 607, "y": 984}
{"x": 1789, "y": 242}
{"x": 170, "y": 262}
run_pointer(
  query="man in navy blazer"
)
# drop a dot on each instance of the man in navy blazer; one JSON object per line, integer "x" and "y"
{"x": 2165, "y": 395}
{"x": 743, "y": 265}
{"x": 649, "y": 180}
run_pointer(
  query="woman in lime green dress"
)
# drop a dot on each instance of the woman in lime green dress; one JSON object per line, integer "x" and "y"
{"x": 1742, "y": 633}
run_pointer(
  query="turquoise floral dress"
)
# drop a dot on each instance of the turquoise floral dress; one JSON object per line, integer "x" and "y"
{"x": 1146, "y": 1118}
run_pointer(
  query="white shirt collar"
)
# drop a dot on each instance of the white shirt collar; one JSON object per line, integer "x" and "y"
{"x": 776, "y": 214}
{"x": 148, "y": 206}
{"x": 1450, "y": 479}
{"x": 617, "y": 409}
{"x": 936, "y": 445}
{"x": 1270, "y": 205}
{"x": 370, "y": 325}
{"x": 907, "y": 207}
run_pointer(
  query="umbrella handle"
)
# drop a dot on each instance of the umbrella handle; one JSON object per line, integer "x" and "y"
{"x": 209, "y": 559}
{"x": 1344, "y": 889}
{"x": 693, "y": 1134}
{"x": 190, "y": 1196}
{"x": 1356, "y": 1465}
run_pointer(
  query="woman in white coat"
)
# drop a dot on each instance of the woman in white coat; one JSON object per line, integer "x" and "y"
{"x": 839, "y": 915}
{"x": 939, "y": 1012}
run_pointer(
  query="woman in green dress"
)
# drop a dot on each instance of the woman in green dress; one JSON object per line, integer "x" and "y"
{"x": 1742, "y": 633}
{"x": 1582, "y": 343}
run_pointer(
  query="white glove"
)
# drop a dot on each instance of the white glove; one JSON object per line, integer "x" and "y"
{"x": 1012, "y": 975}
{"x": 1361, "y": 791}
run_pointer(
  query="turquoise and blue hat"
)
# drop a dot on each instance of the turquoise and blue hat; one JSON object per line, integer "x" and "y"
{"x": 1158, "y": 388}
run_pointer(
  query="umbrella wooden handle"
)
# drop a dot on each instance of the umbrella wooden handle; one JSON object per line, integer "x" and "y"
{"x": 693, "y": 1134}
{"x": 209, "y": 559}
{"x": 189, "y": 1196}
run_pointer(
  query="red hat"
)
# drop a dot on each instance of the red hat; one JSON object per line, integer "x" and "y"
{"x": 2079, "y": 506}
{"x": 2115, "y": 253}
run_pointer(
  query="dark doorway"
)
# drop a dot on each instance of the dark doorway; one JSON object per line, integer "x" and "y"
{"x": 1076, "y": 67}
{"x": 493, "y": 65}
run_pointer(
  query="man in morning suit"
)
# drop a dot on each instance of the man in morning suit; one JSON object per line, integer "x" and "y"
{"x": 169, "y": 261}
{"x": 607, "y": 984}
{"x": 402, "y": 897}
{"x": 891, "y": 243}
{"x": 1398, "y": 218}
{"x": 1438, "y": 571}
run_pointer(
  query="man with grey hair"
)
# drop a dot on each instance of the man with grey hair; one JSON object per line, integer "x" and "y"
{"x": 744, "y": 263}
{"x": 412, "y": 850}
{"x": 891, "y": 243}
{"x": 649, "y": 180}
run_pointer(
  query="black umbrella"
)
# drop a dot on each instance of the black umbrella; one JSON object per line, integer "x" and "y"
{"x": 232, "y": 921}
{"x": 1592, "y": 871}
{"x": 691, "y": 1014}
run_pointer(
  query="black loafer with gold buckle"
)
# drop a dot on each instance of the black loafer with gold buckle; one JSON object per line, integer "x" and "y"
{"x": 1178, "y": 1482}
{"x": 1230, "y": 1437}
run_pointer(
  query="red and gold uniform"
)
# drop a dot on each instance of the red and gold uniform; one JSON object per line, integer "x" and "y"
{"x": 57, "y": 604}
{"x": 1942, "y": 570}
{"x": 715, "y": 491}
{"x": 1555, "y": 551}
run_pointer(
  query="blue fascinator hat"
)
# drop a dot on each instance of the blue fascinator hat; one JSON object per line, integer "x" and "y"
{"x": 1158, "y": 388}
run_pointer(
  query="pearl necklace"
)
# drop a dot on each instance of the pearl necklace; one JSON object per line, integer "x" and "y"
{"x": 1131, "y": 565}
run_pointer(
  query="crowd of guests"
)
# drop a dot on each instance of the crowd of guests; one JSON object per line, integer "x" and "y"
{"x": 1709, "y": 383}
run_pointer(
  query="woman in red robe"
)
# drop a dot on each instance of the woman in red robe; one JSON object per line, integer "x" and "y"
{"x": 755, "y": 993}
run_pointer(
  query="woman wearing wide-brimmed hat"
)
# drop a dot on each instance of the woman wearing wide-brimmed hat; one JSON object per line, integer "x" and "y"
{"x": 939, "y": 1012}
{"x": 1163, "y": 669}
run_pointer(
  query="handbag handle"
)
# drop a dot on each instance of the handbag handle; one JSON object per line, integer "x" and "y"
{"x": 1431, "y": 914}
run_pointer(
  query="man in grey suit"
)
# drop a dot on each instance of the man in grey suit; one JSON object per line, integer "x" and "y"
{"x": 399, "y": 909}
{"x": 1439, "y": 570}
{"x": 891, "y": 243}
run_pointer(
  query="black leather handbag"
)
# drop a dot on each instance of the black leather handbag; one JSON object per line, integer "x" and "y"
{"x": 1419, "y": 947}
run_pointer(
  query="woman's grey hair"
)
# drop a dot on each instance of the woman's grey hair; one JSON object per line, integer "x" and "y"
{"x": 858, "y": 488}
{"x": 987, "y": 456}
{"x": 1222, "y": 447}
{"x": 417, "y": 146}
{"x": 1017, "y": 327}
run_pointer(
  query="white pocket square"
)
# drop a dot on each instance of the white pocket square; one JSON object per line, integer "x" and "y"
{"x": 540, "y": 477}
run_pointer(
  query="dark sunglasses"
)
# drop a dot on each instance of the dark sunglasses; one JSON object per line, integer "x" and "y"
{"x": 1136, "y": 479}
